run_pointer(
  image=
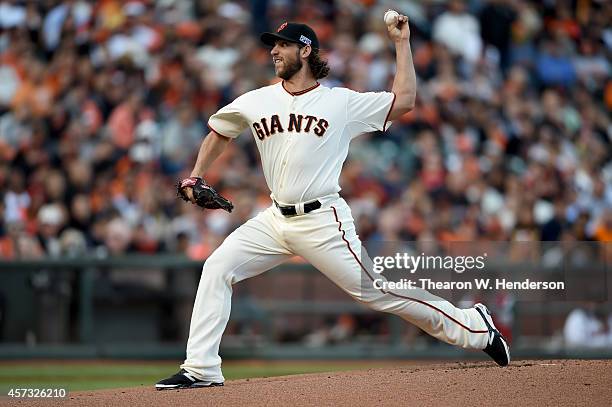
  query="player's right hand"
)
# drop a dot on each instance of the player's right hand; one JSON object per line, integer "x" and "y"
{"x": 401, "y": 31}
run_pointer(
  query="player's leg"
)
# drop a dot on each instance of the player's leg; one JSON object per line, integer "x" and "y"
{"x": 335, "y": 249}
{"x": 250, "y": 250}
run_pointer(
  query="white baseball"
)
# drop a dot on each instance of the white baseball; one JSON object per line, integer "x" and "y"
{"x": 391, "y": 17}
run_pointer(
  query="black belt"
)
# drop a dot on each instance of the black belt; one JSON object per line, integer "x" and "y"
{"x": 291, "y": 211}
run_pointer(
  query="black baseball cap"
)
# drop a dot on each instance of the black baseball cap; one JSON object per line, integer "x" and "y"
{"x": 292, "y": 32}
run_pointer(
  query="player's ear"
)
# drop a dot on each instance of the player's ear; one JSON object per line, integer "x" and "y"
{"x": 305, "y": 51}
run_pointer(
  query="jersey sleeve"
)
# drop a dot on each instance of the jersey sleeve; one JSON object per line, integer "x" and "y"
{"x": 369, "y": 111}
{"x": 229, "y": 121}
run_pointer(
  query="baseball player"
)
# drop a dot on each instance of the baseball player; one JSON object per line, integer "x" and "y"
{"x": 302, "y": 130}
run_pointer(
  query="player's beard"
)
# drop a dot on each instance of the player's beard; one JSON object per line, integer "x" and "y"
{"x": 291, "y": 68}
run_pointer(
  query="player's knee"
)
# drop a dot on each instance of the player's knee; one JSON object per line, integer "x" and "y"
{"x": 374, "y": 302}
{"x": 216, "y": 268}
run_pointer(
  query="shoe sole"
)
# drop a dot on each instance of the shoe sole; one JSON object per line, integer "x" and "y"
{"x": 487, "y": 315}
{"x": 187, "y": 386}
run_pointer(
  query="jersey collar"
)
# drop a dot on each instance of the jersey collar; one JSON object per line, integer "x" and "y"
{"x": 300, "y": 92}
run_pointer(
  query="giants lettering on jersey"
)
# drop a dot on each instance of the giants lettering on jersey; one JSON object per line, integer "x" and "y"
{"x": 296, "y": 123}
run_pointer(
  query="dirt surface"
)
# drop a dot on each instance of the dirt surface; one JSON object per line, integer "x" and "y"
{"x": 523, "y": 383}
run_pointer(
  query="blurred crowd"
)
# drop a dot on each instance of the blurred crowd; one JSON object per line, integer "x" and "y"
{"x": 103, "y": 106}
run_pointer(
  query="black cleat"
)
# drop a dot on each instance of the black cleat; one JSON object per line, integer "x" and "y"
{"x": 183, "y": 380}
{"x": 497, "y": 347}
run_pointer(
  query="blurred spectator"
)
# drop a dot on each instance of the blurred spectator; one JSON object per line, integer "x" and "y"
{"x": 122, "y": 121}
{"x": 587, "y": 327}
{"x": 16, "y": 199}
{"x": 552, "y": 228}
{"x": 15, "y": 132}
{"x": 72, "y": 243}
{"x": 118, "y": 237}
{"x": 554, "y": 66}
{"x": 592, "y": 66}
{"x": 603, "y": 228}
{"x": 219, "y": 57}
{"x": 36, "y": 92}
{"x": 13, "y": 15}
{"x": 496, "y": 19}
{"x": 459, "y": 31}
{"x": 51, "y": 220}
{"x": 181, "y": 136}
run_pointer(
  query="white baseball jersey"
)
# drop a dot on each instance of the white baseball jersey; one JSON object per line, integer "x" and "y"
{"x": 303, "y": 137}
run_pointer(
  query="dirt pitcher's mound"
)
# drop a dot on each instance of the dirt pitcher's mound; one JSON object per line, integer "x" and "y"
{"x": 524, "y": 383}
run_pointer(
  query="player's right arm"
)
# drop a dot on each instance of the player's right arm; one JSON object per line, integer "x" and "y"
{"x": 404, "y": 83}
{"x": 372, "y": 111}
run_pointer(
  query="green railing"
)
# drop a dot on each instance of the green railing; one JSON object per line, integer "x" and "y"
{"x": 85, "y": 269}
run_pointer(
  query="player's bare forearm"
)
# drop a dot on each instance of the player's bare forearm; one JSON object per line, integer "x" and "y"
{"x": 404, "y": 84}
{"x": 212, "y": 146}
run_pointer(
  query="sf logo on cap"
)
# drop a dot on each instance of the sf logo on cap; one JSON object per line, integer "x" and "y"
{"x": 283, "y": 25}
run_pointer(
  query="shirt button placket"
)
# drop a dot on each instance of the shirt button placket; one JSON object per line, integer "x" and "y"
{"x": 292, "y": 110}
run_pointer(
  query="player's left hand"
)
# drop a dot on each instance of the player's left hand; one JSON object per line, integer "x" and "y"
{"x": 401, "y": 31}
{"x": 197, "y": 191}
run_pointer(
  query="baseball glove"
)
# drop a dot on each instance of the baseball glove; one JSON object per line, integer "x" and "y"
{"x": 204, "y": 195}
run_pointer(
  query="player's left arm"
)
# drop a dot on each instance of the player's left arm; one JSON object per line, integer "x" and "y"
{"x": 404, "y": 84}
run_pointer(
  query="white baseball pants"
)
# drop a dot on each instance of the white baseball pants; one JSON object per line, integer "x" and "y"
{"x": 326, "y": 238}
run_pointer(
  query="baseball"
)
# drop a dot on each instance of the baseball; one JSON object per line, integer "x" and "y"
{"x": 391, "y": 17}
